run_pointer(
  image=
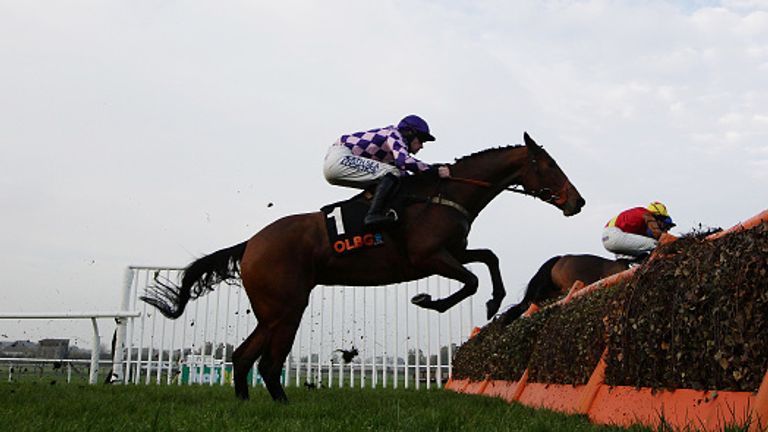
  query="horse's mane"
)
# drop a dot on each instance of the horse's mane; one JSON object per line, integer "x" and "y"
{"x": 488, "y": 150}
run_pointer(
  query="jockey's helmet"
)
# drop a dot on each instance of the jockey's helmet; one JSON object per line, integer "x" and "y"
{"x": 417, "y": 126}
{"x": 658, "y": 209}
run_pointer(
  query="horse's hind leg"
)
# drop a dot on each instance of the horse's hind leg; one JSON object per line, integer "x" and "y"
{"x": 271, "y": 364}
{"x": 487, "y": 257}
{"x": 244, "y": 357}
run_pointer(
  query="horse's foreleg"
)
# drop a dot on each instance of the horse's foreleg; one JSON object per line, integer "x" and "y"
{"x": 447, "y": 266}
{"x": 514, "y": 312}
{"x": 244, "y": 357}
{"x": 487, "y": 257}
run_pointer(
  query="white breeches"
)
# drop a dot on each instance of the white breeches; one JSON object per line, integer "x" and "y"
{"x": 343, "y": 168}
{"x": 621, "y": 243}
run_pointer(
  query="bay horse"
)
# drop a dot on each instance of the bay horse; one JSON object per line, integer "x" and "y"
{"x": 283, "y": 262}
{"x": 558, "y": 274}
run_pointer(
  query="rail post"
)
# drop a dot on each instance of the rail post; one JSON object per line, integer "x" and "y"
{"x": 118, "y": 374}
{"x": 93, "y": 376}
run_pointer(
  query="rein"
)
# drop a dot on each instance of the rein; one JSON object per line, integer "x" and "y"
{"x": 514, "y": 188}
{"x": 544, "y": 194}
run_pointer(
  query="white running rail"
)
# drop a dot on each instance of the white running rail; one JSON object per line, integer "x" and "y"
{"x": 93, "y": 316}
{"x": 397, "y": 343}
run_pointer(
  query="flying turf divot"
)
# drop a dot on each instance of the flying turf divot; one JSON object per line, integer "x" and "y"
{"x": 707, "y": 409}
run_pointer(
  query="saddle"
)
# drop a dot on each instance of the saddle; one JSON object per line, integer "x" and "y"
{"x": 344, "y": 222}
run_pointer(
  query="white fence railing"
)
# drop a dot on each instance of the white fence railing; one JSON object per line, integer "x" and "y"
{"x": 15, "y": 366}
{"x": 93, "y": 316}
{"x": 349, "y": 336}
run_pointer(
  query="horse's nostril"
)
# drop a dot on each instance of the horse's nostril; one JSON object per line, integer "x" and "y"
{"x": 581, "y": 202}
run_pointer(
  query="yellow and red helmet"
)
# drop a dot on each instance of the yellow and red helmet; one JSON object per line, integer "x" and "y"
{"x": 659, "y": 211}
{"x": 658, "y": 208}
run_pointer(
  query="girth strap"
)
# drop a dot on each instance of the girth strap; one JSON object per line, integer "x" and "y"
{"x": 452, "y": 204}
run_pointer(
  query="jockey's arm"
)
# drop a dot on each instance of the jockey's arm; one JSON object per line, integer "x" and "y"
{"x": 653, "y": 225}
{"x": 403, "y": 159}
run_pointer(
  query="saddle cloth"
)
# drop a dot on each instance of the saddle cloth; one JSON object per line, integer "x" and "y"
{"x": 346, "y": 231}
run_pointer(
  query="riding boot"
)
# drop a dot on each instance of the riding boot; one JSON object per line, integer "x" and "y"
{"x": 377, "y": 214}
{"x": 641, "y": 258}
{"x": 633, "y": 260}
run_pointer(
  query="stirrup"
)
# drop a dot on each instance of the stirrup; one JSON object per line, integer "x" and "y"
{"x": 374, "y": 219}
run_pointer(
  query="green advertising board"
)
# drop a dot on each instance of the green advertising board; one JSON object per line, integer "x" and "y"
{"x": 203, "y": 374}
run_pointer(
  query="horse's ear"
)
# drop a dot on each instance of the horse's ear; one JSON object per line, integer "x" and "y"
{"x": 529, "y": 142}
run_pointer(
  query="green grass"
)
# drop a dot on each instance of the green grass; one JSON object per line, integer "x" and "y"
{"x": 75, "y": 407}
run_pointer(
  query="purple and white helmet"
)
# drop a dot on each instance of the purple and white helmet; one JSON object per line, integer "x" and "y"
{"x": 418, "y": 125}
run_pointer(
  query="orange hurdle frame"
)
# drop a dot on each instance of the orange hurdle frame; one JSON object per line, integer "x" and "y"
{"x": 624, "y": 406}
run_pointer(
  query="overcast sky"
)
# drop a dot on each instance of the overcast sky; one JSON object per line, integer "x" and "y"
{"x": 153, "y": 132}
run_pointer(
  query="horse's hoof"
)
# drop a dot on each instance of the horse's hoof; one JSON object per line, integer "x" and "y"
{"x": 492, "y": 307}
{"x": 422, "y": 300}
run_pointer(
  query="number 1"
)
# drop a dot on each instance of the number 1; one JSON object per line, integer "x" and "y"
{"x": 336, "y": 215}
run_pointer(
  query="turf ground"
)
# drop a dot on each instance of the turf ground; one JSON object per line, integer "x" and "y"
{"x": 77, "y": 407}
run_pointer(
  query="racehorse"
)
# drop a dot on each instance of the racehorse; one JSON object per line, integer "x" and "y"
{"x": 283, "y": 262}
{"x": 558, "y": 274}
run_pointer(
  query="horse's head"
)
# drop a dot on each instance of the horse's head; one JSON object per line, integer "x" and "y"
{"x": 545, "y": 180}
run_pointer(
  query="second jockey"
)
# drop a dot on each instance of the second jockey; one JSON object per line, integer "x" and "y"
{"x": 635, "y": 232}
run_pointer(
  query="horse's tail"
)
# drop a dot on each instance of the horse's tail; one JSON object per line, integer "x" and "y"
{"x": 198, "y": 279}
{"x": 537, "y": 289}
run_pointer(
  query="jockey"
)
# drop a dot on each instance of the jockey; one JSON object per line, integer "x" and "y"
{"x": 635, "y": 232}
{"x": 380, "y": 156}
